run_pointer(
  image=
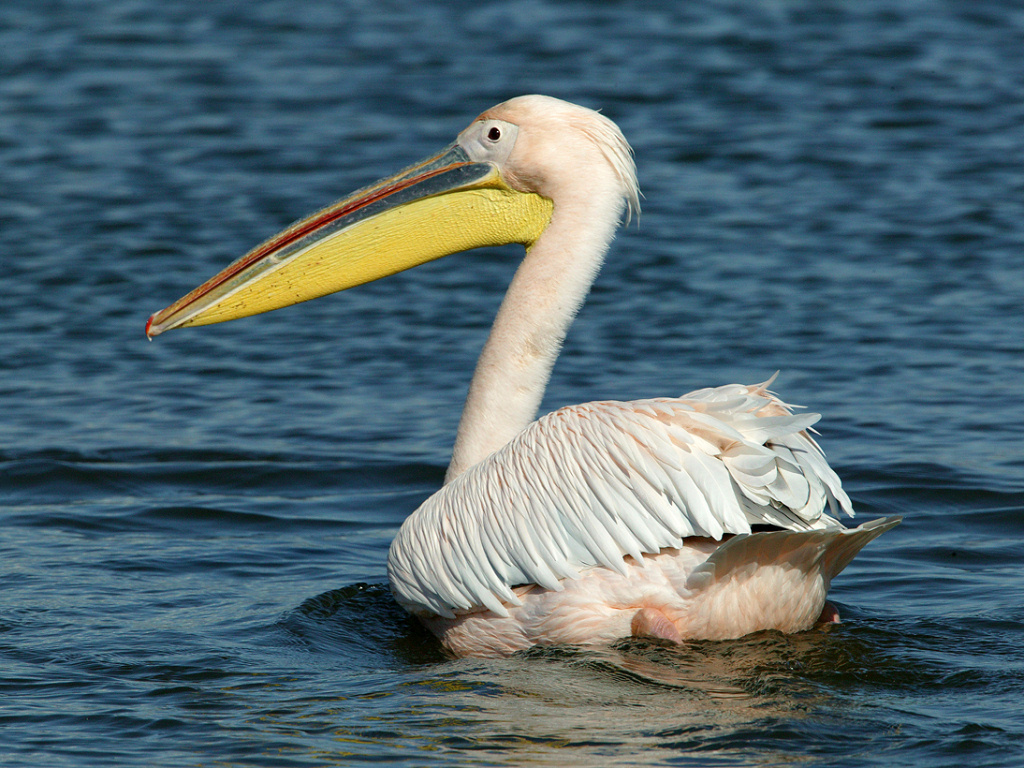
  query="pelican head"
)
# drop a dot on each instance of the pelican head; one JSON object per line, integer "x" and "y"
{"x": 510, "y": 174}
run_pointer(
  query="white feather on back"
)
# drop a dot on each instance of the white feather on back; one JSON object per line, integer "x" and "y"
{"x": 589, "y": 484}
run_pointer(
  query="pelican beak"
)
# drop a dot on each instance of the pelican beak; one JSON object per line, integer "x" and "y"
{"x": 443, "y": 205}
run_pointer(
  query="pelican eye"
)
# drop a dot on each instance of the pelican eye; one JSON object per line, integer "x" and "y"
{"x": 494, "y": 134}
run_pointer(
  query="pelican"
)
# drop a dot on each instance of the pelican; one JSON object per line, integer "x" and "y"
{"x": 695, "y": 517}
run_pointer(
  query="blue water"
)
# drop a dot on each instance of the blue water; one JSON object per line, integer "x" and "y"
{"x": 193, "y": 531}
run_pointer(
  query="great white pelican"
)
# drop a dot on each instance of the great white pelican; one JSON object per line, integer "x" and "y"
{"x": 701, "y": 516}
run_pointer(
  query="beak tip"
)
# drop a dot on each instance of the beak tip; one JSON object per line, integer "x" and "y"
{"x": 150, "y": 330}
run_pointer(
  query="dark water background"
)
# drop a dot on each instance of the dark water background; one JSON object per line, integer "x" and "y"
{"x": 193, "y": 532}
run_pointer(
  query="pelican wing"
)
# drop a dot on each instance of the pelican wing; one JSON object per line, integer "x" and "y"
{"x": 590, "y": 484}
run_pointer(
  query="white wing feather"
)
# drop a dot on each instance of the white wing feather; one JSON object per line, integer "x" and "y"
{"x": 590, "y": 484}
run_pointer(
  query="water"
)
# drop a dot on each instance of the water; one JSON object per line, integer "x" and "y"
{"x": 194, "y": 531}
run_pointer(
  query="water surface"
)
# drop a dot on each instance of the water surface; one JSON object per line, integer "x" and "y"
{"x": 193, "y": 532}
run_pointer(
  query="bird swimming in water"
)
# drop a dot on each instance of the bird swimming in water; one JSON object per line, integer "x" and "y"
{"x": 693, "y": 517}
